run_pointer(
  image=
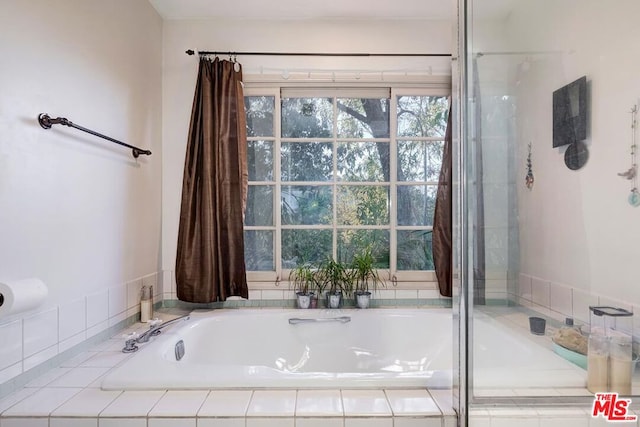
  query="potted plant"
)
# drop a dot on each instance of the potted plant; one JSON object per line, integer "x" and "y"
{"x": 302, "y": 280}
{"x": 336, "y": 278}
{"x": 365, "y": 277}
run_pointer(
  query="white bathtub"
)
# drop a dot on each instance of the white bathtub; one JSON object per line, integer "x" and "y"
{"x": 377, "y": 348}
{"x": 246, "y": 348}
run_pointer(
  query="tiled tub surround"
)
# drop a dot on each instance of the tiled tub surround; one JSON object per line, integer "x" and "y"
{"x": 70, "y": 395}
{"x": 269, "y": 294}
{"x": 33, "y": 342}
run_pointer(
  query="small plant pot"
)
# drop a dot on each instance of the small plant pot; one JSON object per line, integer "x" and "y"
{"x": 363, "y": 299}
{"x": 304, "y": 300}
{"x": 334, "y": 300}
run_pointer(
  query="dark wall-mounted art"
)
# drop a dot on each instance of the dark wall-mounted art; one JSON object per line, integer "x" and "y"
{"x": 570, "y": 113}
{"x": 576, "y": 156}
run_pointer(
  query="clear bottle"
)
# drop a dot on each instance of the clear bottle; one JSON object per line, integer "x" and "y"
{"x": 598, "y": 363}
{"x": 611, "y": 332}
{"x": 146, "y": 304}
{"x": 620, "y": 364}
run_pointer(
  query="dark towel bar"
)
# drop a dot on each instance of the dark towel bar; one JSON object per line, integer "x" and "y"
{"x": 46, "y": 122}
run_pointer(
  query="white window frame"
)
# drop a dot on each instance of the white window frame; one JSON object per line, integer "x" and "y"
{"x": 408, "y": 280}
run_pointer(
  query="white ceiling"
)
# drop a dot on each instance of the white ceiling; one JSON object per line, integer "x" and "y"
{"x": 305, "y": 9}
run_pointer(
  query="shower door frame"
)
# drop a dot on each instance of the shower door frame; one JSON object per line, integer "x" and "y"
{"x": 463, "y": 205}
{"x": 461, "y": 270}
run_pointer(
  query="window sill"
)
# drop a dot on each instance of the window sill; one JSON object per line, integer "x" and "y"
{"x": 390, "y": 286}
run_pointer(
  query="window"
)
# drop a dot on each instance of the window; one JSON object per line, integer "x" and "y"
{"x": 332, "y": 171}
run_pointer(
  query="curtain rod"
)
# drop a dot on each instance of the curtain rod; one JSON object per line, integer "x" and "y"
{"x": 540, "y": 52}
{"x": 46, "y": 122}
{"x": 234, "y": 54}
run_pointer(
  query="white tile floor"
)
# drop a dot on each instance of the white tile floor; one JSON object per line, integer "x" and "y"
{"x": 70, "y": 396}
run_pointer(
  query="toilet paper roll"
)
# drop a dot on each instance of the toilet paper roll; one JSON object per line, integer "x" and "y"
{"x": 21, "y": 295}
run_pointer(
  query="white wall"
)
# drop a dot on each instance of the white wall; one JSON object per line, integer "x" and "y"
{"x": 76, "y": 211}
{"x": 577, "y": 232}
{"x": 408, "y": 36}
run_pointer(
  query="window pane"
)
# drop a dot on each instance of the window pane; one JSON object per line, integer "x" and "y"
{"x": 260, "y": 160}
{"x": 307, "y": 161}
{"x": 363, "y": 161}
{"x": 259, "y": 112}
{"x": 307, "y": 118}
{"x": 306, "y": 205}
{"x": 416, "y": 204}
{"x": 258, "y": 250}
{"x": 419, "y": 160}
{"x": 363, "y": 205}
{"x": 414, "y": 250}
{"x": 363, "y": 118}
{"x": 422, "y": 115}
{"x": 259, "y": 205}
{"x": 346, "y": 192}
{"x": 351, "y": 242}
{"x": 299, "y": 246}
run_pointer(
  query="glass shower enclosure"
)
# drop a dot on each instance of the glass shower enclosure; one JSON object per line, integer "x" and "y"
{"x": 546, "y": 95}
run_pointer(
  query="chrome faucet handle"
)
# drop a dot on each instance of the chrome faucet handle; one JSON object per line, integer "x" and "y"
{"x": 130, "y": 344}
{"x": 154, "y": 327}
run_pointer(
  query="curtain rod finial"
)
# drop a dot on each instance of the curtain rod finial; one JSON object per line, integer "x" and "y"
{"x": 189, "y": 52}
{"x": 44, "y": 120}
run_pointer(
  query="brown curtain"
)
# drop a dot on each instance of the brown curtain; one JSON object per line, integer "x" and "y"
{"x": 441, "y": 239}
{"x": 210, "y": 257}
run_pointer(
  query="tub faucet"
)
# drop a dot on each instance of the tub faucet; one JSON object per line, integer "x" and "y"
{"x": 155, "y": 329}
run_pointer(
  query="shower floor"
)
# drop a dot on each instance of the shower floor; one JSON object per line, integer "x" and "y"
{"x": 555, "y": 384}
